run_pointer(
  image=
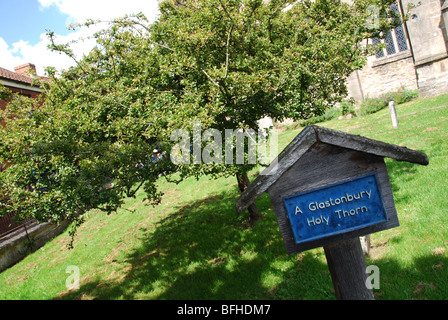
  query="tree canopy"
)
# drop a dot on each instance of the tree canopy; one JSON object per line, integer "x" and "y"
{"x": 88, "y": 143}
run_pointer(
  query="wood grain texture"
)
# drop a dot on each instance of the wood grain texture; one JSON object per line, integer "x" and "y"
{"x": 298, "y": 147}
{"x": 375, "y": 147}
{"x": 320, "y": 157}
{"x": 347, "y": 268}
{"x": 312, "y": 135}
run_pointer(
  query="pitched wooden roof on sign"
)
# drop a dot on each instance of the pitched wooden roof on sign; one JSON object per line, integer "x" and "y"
{"x": 315, "y": 134}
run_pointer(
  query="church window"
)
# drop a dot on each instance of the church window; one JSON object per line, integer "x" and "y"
{"x": 395, "y": 39}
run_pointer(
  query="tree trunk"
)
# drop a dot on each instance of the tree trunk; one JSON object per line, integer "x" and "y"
{"x": 243, "y": 183}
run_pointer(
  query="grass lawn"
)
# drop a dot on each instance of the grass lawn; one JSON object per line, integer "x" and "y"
{"x": 193, "y": 246}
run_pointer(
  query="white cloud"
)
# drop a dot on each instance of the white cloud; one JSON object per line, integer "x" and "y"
{"x": 39, "y": 54}
{"x": 7, "y": 58}
{"x": 79, "y": 11}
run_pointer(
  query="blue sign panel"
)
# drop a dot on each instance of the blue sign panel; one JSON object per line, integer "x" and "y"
{"x": 335, "y": 209}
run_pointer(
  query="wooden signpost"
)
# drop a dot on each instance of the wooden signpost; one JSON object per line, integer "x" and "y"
{"x": 328, "y": 188}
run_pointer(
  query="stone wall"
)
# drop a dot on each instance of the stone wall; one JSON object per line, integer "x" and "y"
{"x": 433, "y": 78}
{"x": 17, "y": 245}
{"x": 427, "y": 31}
{"x": 424, "y": 66}
{"x": 388, "y": 74}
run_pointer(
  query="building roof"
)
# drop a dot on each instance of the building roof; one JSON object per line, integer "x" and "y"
{"x": 22, "y": 75}
{"x": 305, "y": 140}
{"x": 14, "y": 76}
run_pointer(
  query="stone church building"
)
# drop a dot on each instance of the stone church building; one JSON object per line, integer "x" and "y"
{"x": 415, "y": 57}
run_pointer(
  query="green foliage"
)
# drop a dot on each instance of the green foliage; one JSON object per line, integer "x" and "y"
{"x": 329, "y": 114}
{"x": 243, "y": 60}
{"x": 90, "y": 143}
{"x": 192, "y": 246}
{"x": 226, "y": 63}
{"x": 372, "y": 105}
{"x": 237, "y": 61}
{"x": 5, "y": 94}
{"x": 348, "y": 106}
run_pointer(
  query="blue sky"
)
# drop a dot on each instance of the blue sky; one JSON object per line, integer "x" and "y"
{"x": 23, "y": 25}
{"x": 27, "y": 19}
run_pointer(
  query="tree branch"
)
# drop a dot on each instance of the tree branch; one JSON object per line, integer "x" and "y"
{"x": 227, "y": 51}
{"x": 227, "y": 12}
{"x": 213, "y": 81}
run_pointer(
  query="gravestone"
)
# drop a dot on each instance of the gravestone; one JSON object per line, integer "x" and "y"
{"x": 328, "y": 188}
{"x": 393, "y": 114}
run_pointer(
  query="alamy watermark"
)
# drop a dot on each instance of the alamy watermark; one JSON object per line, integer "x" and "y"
{"x": 72, "y": 281}
{"x": 240, "y": 146}
{"x": 373, "y": 278}
{"x": 373, "y": 20}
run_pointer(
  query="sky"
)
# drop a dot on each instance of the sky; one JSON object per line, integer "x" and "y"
{"x": 24, "y": 24}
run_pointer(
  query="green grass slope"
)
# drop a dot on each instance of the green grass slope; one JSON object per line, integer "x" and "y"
{"x": 193, "y": 246}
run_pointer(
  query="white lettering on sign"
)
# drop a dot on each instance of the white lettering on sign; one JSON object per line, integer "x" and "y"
{"x": 351, "y": 212}
{"x": 313, "y": 206}
{"x": 341, "y": 213}
{"x": 315, "y": 221}
{"x": 334, "y": 209}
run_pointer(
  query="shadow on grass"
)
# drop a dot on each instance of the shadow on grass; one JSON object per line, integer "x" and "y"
{"x": 425, "y": 276}
{"x": 401, "y": 173}
{"x": 425, "y": 279}
{"x": 203, "y": 251}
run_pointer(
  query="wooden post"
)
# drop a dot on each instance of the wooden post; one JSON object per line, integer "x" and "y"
{"x": 329, "y": 189}
{"x": 393, "y": 114}
{"x": 348, "y": 270}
